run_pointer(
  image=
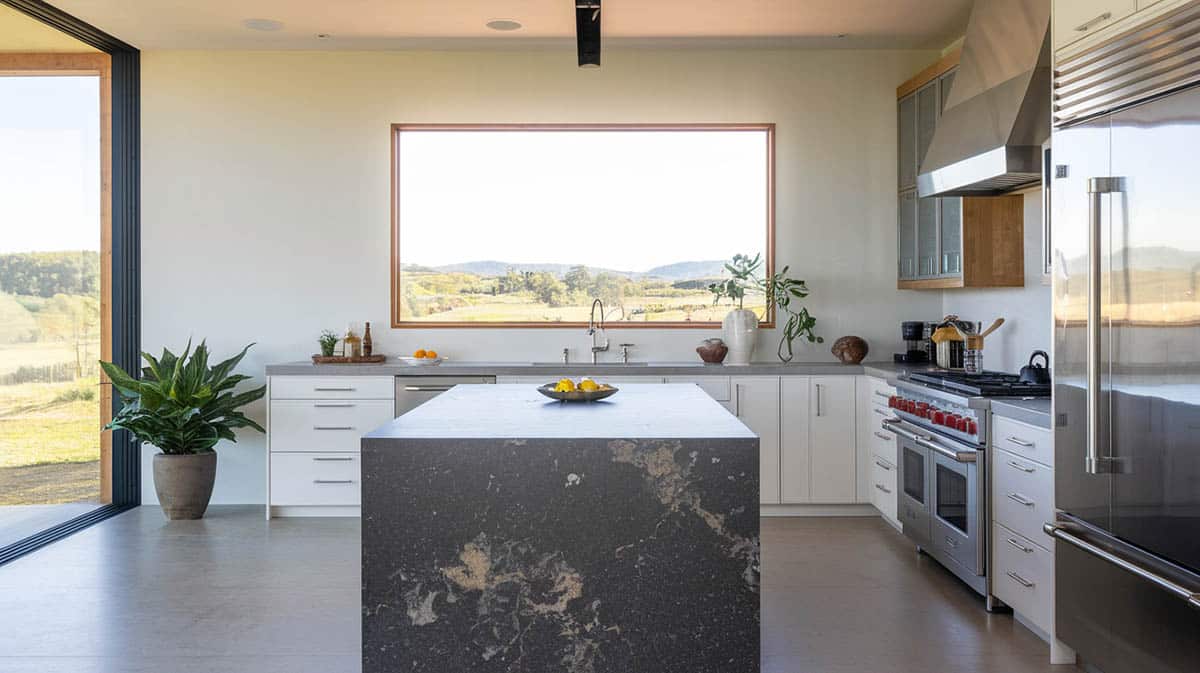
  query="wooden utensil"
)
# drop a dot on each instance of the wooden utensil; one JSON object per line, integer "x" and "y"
{"x": 995, "y": 326}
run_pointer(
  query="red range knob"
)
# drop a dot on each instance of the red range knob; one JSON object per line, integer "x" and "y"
{"x": 939, "y": 417}
{"x": 972, "y": 428}
{"x": 961, "y": 424}
{"x": 892, "y": 402}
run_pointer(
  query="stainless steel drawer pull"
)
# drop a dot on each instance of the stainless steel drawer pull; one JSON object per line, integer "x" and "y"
{"x": 427, "y": 389}
{"x": 333, "y": 405}
{"x": 1021, "y": 580}
{"x": 882, "y": 413}
{"x": 1087, "y": 25}
{"x": 333, "y": 390}
{"x": 881, "y": 436}
{"x": 1060, "y": 532}
{"x": 1023, "y": 468}
{"x": 333, "y": 481}
{"x": 1020, "y": 442}
{"x": 1018, "y": 498}
{"x": 951, "y": 542}
{"x": 1020, "y": 546}
{"x": 343, "y": 459}
{"x": 884, "y": 465}
{"x": 883, "y": 488}
{"x": 881, "y": 394}
{"x": 333, "y": 427}
{"x": 894, "y": 425}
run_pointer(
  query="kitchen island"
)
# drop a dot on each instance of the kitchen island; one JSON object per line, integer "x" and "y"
{"x": 506, "y": 532}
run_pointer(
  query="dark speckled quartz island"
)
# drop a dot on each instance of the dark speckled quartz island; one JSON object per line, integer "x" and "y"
{"x": 505, "y": 532}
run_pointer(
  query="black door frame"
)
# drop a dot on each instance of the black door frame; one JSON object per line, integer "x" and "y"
{"x": 126, "y": 252}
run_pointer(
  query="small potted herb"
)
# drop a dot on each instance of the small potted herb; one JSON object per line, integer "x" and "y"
{"x": 328, "y": 341}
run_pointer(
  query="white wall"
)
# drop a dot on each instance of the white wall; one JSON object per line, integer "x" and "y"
{"x": 1026, "y": 310}
{"x": 266, "y": 200}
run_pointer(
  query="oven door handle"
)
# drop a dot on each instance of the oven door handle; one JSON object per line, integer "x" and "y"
{"x": 1062, "y": 533}
{"x": 928, "y": 443}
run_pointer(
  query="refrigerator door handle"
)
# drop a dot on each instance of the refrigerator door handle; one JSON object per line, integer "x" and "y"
{"x": 1094, "y": 463}
{"x": 1062, "y": 533}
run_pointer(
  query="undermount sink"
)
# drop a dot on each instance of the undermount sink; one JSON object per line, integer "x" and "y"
{"x": 590, "y": 364}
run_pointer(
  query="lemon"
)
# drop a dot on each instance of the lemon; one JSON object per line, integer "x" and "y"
{"x": 588, "y": 385}
{"x": 565, "y": 386}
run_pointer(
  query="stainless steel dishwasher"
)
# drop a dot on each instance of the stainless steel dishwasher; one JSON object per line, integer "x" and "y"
{"x": 413, "y": 391}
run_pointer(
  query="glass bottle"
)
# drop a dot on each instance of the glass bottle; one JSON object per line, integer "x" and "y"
{"x": 367, "y": 346}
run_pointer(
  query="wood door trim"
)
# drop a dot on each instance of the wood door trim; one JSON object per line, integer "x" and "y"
{"x": 20, "y": 64}
{"x": 768, "y": 321}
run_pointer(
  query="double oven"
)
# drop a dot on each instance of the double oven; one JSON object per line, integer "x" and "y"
{"x": 942, "y": 484}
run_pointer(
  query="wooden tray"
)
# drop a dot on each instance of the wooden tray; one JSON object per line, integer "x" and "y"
{"x": 343, "y": 360}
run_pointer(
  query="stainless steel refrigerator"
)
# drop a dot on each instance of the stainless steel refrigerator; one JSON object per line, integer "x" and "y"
{"x": 1126, "y": 240}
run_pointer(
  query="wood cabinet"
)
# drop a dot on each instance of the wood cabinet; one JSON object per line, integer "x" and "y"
{"x": 756, "y": 402}
{"x": 949, "y": 242}
{"x": 817, "y": 460}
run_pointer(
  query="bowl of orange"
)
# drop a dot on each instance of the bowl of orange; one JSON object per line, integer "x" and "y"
{"x": 423, "y": 358}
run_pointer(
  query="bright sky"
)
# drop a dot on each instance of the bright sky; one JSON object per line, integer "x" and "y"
{"x": 624, "y": 200}
{"x": 49, "y": 163}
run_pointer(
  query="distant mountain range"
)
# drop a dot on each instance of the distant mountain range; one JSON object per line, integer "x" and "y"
{"x": 673, "y": 272}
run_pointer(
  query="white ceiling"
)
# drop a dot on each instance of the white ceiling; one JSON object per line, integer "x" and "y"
{"x": 20, "y": 33}
{"x": 397, "y": 24}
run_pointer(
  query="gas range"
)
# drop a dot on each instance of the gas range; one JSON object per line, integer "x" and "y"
{"x": 956, "y": 405}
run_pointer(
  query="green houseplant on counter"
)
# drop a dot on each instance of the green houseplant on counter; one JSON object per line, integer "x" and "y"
{"x": 780, "y": 292}
{"x": 184, "y": 407}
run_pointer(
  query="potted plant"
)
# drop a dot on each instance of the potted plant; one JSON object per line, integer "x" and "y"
{"x": 328, "y": 341}
{"x": 184, "y": 407}
{"x": 741, "y": 325}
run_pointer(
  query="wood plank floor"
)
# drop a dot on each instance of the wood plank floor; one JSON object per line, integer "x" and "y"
{"x": 233, "y": 594}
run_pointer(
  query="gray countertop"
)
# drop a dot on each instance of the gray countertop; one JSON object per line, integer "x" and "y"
{"x": 689, "y": 368}
{"x": 654, "y": 411}
{"x": 1034, "y": 412}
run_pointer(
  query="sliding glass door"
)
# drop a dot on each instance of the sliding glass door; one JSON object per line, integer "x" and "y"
{"x": 54, "y": 459}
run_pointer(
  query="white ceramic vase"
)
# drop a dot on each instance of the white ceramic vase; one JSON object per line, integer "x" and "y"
{"x": 741, "y": 328}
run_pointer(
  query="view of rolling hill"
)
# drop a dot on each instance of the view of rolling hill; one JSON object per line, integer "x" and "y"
{"x": 497, "y": 291}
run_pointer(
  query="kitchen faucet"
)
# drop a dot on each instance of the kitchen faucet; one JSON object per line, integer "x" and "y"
{"x": 593, "y": 328}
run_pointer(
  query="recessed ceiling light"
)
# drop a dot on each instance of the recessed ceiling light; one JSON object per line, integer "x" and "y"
{"x": 842, "y": 35}
{"x": 504, "y": 25}
{"x": 265, "y": 25}
{"x": 324, "y": 36}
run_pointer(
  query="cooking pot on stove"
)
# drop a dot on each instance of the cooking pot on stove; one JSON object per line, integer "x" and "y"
{"x": 1032, "y": 373}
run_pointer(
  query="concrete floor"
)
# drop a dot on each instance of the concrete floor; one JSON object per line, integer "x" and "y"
{"x": 18, "y": 522}
{"x": 232, "y": 593}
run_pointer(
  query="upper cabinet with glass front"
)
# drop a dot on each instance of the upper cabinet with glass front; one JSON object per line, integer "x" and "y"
{"x": 931, "y": 232}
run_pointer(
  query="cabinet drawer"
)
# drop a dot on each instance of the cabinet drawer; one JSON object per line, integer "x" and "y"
{"x": 1023, "y": 439}
{"x": 883, "y": 443}
{"x": 333, "y": 388}
{"x": 325, "y": 425}
{"x": 315, "y": 479}
{"x": 883, "y": 488}
{"x": 1022, "y": 493}
{"x": 717, "y": 387}
{"x": 1024, "y": 576}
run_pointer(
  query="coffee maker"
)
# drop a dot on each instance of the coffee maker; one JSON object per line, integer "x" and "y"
{"x": 918, "y": 347}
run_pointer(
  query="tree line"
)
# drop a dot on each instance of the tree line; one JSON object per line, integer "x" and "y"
{"x": 46, "y": 274}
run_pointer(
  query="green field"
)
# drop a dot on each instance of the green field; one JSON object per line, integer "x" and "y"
{"x": 544, "y": 297}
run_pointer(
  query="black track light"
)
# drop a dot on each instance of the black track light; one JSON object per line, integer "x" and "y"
{"x": 587, "y": 32}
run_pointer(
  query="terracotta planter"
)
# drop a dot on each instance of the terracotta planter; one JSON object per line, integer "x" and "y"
{"x": 184, "y": 483}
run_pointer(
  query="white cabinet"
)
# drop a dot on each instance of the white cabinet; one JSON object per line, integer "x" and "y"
{"x": 831, "y": 439}
{"x": 817, "y": 458}
{"x": 1076, "y": 19}
{"x": 314, "y": 428}
{"x": 795, "y": 446}
{"x": 756, "y": 402}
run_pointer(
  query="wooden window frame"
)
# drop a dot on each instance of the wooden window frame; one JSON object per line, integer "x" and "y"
{"x": 19, "y": 64}
{"x": 768, "y": 320}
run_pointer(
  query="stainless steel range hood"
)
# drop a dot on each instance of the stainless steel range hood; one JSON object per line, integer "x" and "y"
{"x": 989, "y": 139}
